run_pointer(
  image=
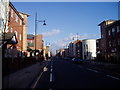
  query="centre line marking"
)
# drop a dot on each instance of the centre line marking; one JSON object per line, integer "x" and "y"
{"x": 113, "y": 77}
{"x": 51, "y": 70}
{"x": 50, "y": 77}
{"x": 92, "y": 70}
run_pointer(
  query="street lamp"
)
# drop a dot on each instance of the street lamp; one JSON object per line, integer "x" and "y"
{"x": 36, "y": 29}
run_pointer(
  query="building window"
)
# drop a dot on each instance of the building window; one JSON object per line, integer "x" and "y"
{"x": 113, "y": 29}
{"x": 113, "y": 32}
{"x": 20, "y": 37}
{"x": 109, "y": 32}
{"x": 11, "y": 29}
{"x": 20, "y": 22}
{"x": 16, "y": 19}
{"x": 118, "y": 29}
{"x": 102, "y": 36}
{"x": 16, "y": 33}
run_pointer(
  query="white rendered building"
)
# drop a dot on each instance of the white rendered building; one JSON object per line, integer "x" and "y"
{"x": 89, "y": 49}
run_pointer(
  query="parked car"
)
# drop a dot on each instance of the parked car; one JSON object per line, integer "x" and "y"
{"x": 66, "y": 58}
{"x": 77, "y": 60}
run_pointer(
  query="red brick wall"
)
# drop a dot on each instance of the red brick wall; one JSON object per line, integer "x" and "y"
{"x": 16, "y": 26}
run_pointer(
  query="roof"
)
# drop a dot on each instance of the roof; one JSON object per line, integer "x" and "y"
{"x": 77, "y": 41}
{"x": 115, "y": 23}
{"x": 88, "y": 39}
{"x": 105, "y": 21}
{"x": 11, "y": 5}
{"x": 30, "y": 36}
{"x": 24, "y": 14}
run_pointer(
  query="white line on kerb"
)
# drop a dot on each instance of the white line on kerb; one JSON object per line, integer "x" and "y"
{"x": 37, "y": 80}
{"x": 50, "y": 77}
{"x": 113, "y": 77}
{"x": 92, "y": 70}
{"x": 51, "y": 66}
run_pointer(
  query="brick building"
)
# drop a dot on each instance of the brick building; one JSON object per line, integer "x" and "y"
{"x": 113, "y": 41}
{"x": 31, "y": 42}
{"x": 25, "y": 26}
{"x": 98, "y": 46}
{"x": 71, "y": 49}
{"x": 15, "y": 25}
{"x": 18, "y": 24}
{"x": 111, "y": 45}
{"x": 77, "y": 48}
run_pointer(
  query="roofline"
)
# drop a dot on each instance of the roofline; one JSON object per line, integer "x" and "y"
{"x": 88, "y": 39}
{"x": 113, "y": 23}
{"x": 25, "y": 14}
{"x": 11, "y": 5}
{"x": 106, "y": 21}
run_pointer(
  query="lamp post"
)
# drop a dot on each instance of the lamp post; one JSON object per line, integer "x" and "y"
{"x": 36, "y": 29}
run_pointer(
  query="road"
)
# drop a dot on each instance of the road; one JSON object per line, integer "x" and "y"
{"x": 64, "y": 74}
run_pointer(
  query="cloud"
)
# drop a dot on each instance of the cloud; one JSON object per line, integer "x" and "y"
{"x": 65, "y": 42}
{"x": 51, "y": 33}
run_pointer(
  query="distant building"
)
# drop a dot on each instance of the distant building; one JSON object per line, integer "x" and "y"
{"x": 71, "y": 49}
{"x": 89, "y": 49}
{"x": 66, "y": 52}
{"x": 46, "y": 52}
{"x": 31, "y": 43}
{"x": 77, "y": 49}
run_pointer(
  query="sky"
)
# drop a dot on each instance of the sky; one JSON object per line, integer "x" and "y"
{"x": 65, "y": 19}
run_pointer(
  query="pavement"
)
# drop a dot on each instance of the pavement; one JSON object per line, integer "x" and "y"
{"x": 23, "y": 78}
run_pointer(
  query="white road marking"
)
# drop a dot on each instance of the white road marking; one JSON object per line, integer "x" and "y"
{"x": 37, "y": 80}
{"x": 51, "y": 70}
{"x": 50, "y": 77}
{"x": 92, "y": 70}
{"x": 113, "y": 77}
{"x": 50, "y": 89}
{"x": 80, "y": 66}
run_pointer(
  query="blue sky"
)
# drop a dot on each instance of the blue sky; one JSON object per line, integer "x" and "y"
{"x": 65, "y": 19}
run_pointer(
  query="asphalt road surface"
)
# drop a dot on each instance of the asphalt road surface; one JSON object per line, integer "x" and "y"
{"x": 64, "y": 74}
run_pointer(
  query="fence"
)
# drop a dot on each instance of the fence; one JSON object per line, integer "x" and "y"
{"x": 10, "y": 65}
